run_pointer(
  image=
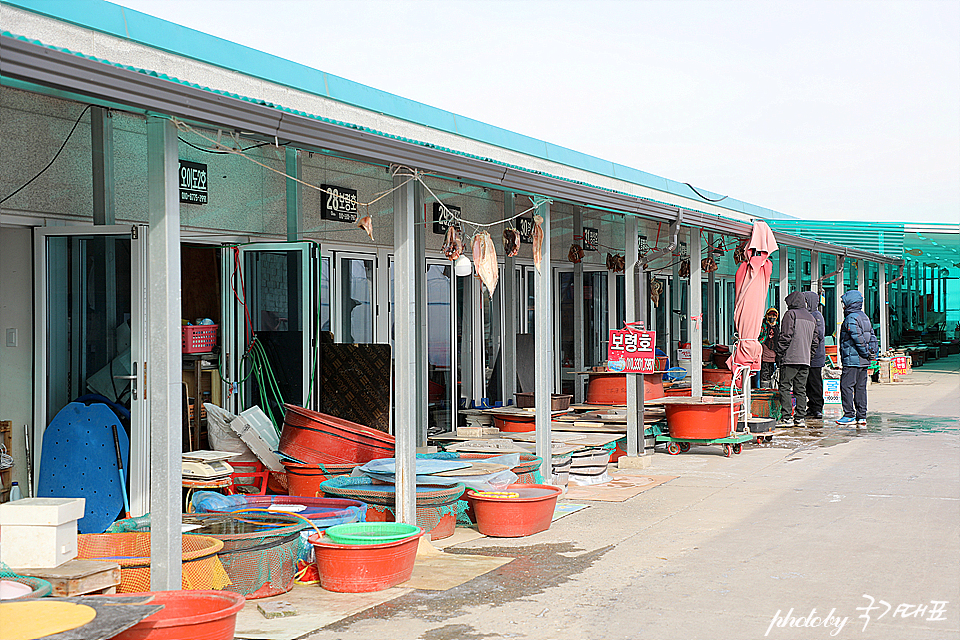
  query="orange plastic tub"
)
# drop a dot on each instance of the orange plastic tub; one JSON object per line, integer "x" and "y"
{"x": 610, "y": 388}
{"x": 514, "y": 517}
{"x": 516, "y": 425}
{"x": 697, "y": 421}
{"x": 198, "y": 615}
{"x": 360, "y": 568}
{"x": 305, "y": 479}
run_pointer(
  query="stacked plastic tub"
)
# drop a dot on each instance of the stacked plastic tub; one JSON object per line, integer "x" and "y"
{"x": 311, "y": 437}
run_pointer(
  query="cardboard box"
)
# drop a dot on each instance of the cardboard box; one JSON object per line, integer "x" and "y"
{"x": 39, "y": 532}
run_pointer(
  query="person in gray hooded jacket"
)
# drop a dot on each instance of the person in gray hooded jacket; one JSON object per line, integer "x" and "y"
{"x": 798, "y": 342}
{"x": 817, "y": 360}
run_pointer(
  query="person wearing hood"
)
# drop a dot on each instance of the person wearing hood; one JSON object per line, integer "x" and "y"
{"x": 797, "y": 344}
{"x": 769, "y": 335}
{"x": 817, "y": 359}
{"x": 858, "y": 347}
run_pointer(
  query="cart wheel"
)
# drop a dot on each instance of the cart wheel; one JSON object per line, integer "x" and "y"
{"x": 737, "y": 448}
{"x": 727, "y": 450}
{"x": 768, "y": 438}
{"x": 673, "y": 448}
{"x": 684, "y": 447}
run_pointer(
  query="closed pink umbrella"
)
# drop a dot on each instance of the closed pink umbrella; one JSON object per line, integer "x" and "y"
{"x": 752, "y": 281}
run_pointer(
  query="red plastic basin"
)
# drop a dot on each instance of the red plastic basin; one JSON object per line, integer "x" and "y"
{"x": 502, "y": 517}
{"x": 305, "y": 479}
{"x": 516, "y": 425}
{"x": 359, "y": 568}
{"x": 198, "y": 615}
{"x": 698, "y": 421}
{"x": 315, "y": 437}
{"x": 610, "y": 388}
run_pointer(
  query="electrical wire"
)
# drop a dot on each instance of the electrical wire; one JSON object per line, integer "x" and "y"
{"x": 694, "y": 189}
{"x": 49, "y": 164}
{"x": 219, "y": 153}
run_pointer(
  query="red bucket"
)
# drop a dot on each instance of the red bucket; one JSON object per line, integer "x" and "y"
{"x": 305, "y": 479}
{"x": 520, "y": 424}
{"x": 608, "y": 388}
{"x": 698, "y": 421}
{"x": 359, "y": 568}
{"x": 198, "y": 615}
{"x": 507, "y": 517}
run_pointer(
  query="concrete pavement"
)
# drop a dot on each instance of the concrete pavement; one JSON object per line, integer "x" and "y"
{"x": 831, "y": 519}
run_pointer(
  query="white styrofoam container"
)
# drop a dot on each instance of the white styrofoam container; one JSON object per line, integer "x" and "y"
{"x": 39, "y": 533}
{"x": 258, "y": 433}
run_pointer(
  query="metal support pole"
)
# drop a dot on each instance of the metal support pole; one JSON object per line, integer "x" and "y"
{"x": 694, "y": 315}
{"x": 837, "y": 303}
{"x": 453, "y": 389}
{"x": 884, "y": 311}
{"x": 673, "y": 319}
{"x": 815, "y": 272}
{"x": 633, "y": 302}
{"x": 511, "y": 313}
{"x": 101, "y": 144}
{"x": 294, "y": 196}
{"x": 908, "y": 283}
{"x": 543, "y": 342}
{"x": 578, "y": 326}
{"x": 420, "y": 295}
{"x": 713, "y": 312}
{"x": 861, "y": 280}
{"x": 163, "y": 378}
{"x": 784, "y": 278}
{"x": 798, "y": 271}
{"x": 406, "y": 270}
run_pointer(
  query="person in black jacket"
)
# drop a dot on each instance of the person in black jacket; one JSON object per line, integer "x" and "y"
{"x": 817, "y": 360}
{"x": 798, "y": 342}
{"x": 858, "y": 347}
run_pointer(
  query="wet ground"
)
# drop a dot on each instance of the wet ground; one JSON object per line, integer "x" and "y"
{"x": 823, "y": 518}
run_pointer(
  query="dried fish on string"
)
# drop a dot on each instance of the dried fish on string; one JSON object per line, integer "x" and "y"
{"x": 656, "y": 288}
{"x": 511, "y": 242}
{"x": 740, "y": 253}
{"x": 537, "y": 236}
{"x": 611, "y": 262}
{"x": 684, "y": 271}
{"x": 366, "y": 224}
{"x": 453, "y": 243}
{"x": 575, "y": 255}
{"x": 621, "y": 263}
{"x": 708, "y": 264}
{"x": 485, "y": 261}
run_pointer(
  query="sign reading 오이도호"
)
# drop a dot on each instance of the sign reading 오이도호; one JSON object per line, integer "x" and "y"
{"x": 193, "y": 182}
{"x": 338, "y": 203}
{"x": 439, "y": 227}
{"x": 631, "y": 351}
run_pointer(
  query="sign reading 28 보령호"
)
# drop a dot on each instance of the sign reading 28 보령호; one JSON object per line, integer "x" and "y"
{"x": 631, "y": 351}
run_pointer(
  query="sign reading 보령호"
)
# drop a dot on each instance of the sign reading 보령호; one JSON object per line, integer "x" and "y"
{"x": 338, "y": 203}
{"x": 193, "y": 182}
{"x": 632, "y": 351}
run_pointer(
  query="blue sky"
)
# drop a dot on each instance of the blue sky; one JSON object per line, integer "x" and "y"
{"x": 835, "y": 110}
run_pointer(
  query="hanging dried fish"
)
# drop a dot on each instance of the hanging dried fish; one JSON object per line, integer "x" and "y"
{"x": 708, "y": 264}
{"x": 453, "y": 243}
{"x": 611, "y": 262}
{"x": 656, "y": 288}
{"x": 485, "y": 261}
{"x": 511, "y": 242}
{"x": 740, "y": 253}
{"x": 537, "y": 236}
{"x": 366, "y": 224}
{"x": 684, "y": 270}
{"x": 621, "y": 264}
{"x": 575, "y": 255}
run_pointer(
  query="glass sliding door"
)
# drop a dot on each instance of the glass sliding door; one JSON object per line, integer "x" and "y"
{"x": 355, "y": 291}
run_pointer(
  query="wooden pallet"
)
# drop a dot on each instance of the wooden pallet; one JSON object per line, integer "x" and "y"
{"x": 79, "y": 577}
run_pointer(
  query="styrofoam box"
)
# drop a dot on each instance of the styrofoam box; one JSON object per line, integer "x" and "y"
{"x": 39, "y": 532}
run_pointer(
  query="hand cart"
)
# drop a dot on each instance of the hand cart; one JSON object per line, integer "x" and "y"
{"x": 733, "y": 441}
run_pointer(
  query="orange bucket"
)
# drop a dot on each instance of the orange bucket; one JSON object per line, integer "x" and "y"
{"x": 198, "y": 615}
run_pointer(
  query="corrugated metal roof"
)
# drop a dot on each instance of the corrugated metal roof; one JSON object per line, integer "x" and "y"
{"x": 878, "y": 237}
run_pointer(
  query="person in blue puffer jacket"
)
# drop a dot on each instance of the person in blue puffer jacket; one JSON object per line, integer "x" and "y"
{"x": 858, "y": 347}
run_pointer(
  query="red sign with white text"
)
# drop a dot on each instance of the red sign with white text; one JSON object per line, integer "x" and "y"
{"x": 632, "y": 351}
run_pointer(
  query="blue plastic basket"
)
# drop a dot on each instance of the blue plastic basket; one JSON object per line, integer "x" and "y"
{"x": 675, "y": 374}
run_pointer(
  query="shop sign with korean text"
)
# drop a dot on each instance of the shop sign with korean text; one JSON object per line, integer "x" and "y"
{"x": 440, "y": 228}
{"x": 900, "y": 365}
{"x": 591, "y": 239}
{"x": 338, "y": 203}
{"x": 193, "y": 182}
{"x": 632, "y": 351}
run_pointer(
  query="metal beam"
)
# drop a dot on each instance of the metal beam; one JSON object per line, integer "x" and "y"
{"x": 635, "y": 397}
{"x": 578, "y": 327}
{"x": 405, "y": 349}
{"x": 101, "y": 146}
{"x": 511, "y": 312}
{"x": 163, "y": 378}
{"x": 694, "y": 315}
{"x": 104, "y": 82}
{"x": 543, "y": 343}
{"x": 294, "y": 195}
{"x": 884, "y": 311}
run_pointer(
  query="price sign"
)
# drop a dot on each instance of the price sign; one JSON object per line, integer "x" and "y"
{"x": 193, "y": 182}
{"x": 632, "y": 351}
{"x": 591, "y": 239}
{"x": 338, "y": 203}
